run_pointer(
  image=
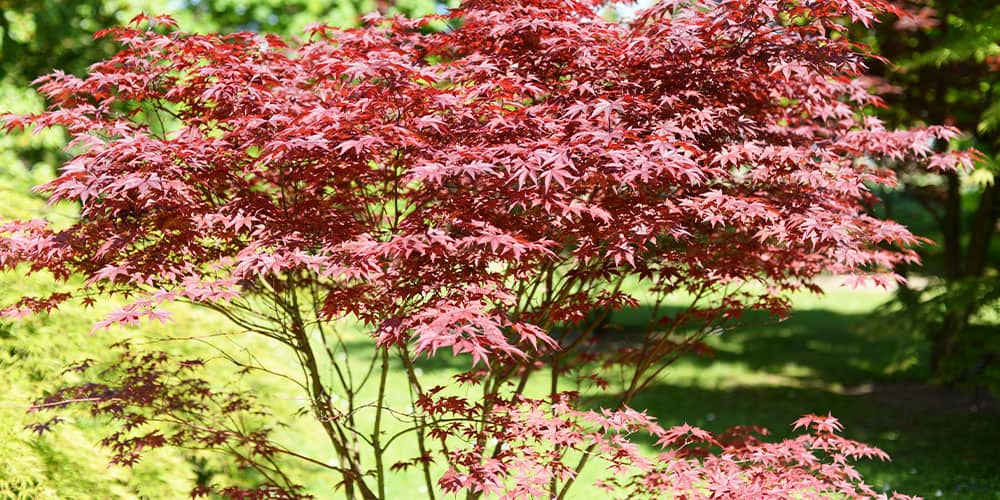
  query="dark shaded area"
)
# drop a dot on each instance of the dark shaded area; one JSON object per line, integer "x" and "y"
{"x": 936, "y": 440}
{"x": 942, "y": 76}
{"x": 945, "y": 443}
{"x": 833, "y": 346}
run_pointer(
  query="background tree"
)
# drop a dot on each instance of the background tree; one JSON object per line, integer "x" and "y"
{"x": 945, "y": 69}
{"x": 37, "y": 36}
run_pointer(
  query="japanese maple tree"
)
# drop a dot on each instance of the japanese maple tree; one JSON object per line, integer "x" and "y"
{"x": 486, "y": 190}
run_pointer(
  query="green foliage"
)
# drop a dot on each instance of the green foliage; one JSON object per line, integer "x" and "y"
{"x": 949, "y": 67}
{"x": 68, "y": 463}
{"x": 25, "y": 159}
{"x": 37, "y": 36}
{"x": 33, "y": 354}
{"x": 975, "y": 361}
{"x": 290, "y": 16}
{"x": 946, "y": 69}
{"x": 972, "y": 35}
{"x": 947, "y": 72}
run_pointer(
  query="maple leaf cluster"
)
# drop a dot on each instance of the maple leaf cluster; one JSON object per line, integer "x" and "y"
{"x": 478, "y": 189}
{"x": 693, "y": 463}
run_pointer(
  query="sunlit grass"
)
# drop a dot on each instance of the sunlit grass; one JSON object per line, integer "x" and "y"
{"x": 766, "y": 372}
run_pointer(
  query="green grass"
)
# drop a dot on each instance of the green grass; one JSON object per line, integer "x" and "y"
{"x": 765, "y": 373}
{"x": 828, "y": 358}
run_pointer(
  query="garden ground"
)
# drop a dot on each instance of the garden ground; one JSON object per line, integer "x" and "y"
{"x": 828, "y": 357}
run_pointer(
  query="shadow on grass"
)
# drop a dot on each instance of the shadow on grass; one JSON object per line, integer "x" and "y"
{"x": 362, "y": 351}
{"x": 768, "y": 373}
{"x": 822, "y": 345}
{"x": 944, "y": 443}
{"x": 935, "y": 448}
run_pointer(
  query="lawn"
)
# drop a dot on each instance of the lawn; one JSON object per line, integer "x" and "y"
{"x": 827, "y": 357}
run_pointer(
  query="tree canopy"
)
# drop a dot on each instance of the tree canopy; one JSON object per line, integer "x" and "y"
{"x": 476, "y": 191}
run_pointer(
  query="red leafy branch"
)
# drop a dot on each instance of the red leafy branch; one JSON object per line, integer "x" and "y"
{"x": 487, "y": 190}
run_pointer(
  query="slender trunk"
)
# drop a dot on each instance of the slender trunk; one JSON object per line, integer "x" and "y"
{"x": 981, "y": 231}
{"x": 944, "y": 338}
{"x": 321, "y": 407}
{"x": 377, "y": 432}
{"x": 952, "y": 229}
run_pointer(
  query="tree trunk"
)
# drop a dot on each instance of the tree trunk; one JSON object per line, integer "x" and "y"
{"x": 944, "y": 339}
{"x": 981, "y": 231}
{"x": 952, "y": 229}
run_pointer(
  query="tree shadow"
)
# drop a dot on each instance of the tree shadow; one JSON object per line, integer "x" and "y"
{"x": 768, "y": 372}
{"x": 819, "y": 344}
{"x": 946, "y": 447}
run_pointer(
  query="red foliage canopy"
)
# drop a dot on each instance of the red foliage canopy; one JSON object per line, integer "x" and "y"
{"x": 417, "y": 174}
{"x": 428, "y": 182}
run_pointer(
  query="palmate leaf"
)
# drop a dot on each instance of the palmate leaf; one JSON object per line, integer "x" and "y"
{"x": 474, "y": 191}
